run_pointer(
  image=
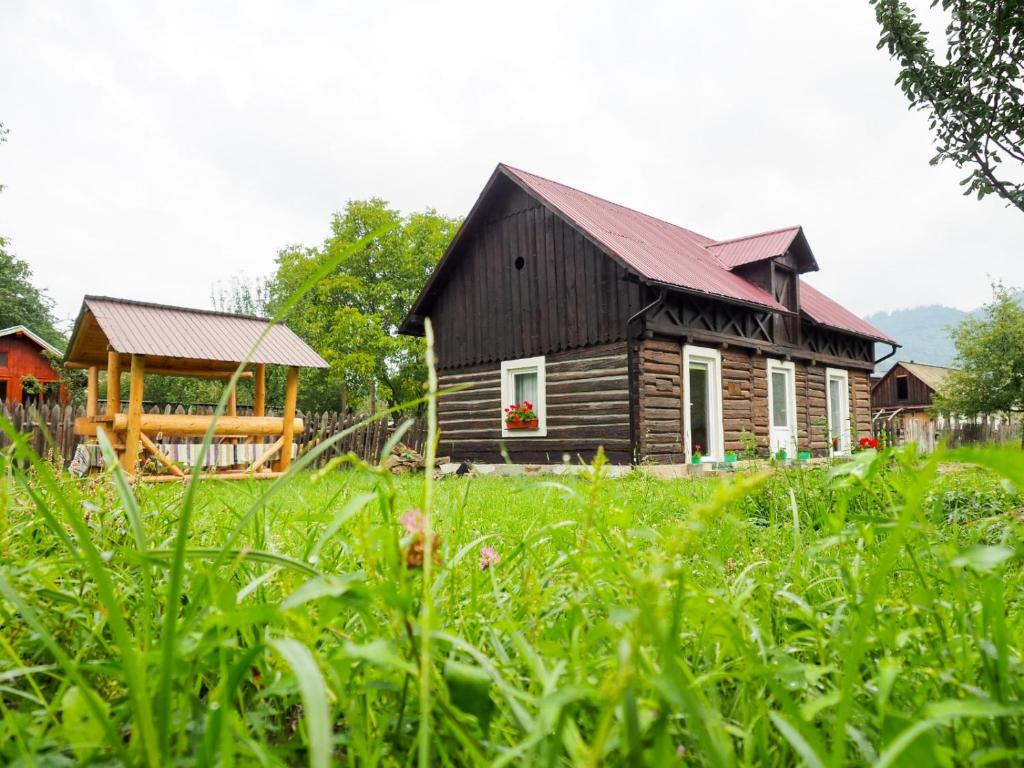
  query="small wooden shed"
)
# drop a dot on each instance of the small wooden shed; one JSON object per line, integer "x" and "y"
{"x": 901, "y": 402}
{"x": 139, "y": 337}
{"x": 23, "y": 358}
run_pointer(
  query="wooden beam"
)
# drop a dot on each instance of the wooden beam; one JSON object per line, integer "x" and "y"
{"x": 196, "y": 373}
{"x": 113, "y": 383}
{"x": 130, "y": 457}
{"x": 92, "y": 401}
{"x": 260, "y": 387}
{"x": 190, "y": 425}
{"x": 238, "y": 475}
{"x": 291, "y": 396}
{"x": 154, "y": 450}
{"x": 267, "y": 454}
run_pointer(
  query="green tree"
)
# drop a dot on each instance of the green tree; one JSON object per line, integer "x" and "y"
{"x": 21, "y": 303}
{"x": 974, "y": 96}
{"x": 990, "y": 360}
{"x": 351, "y": 317}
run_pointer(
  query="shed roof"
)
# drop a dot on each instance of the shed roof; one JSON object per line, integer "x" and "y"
{"x": 181, "y": 336}
{"x": 16, "y": 330}
{"x": 934, "y": 376}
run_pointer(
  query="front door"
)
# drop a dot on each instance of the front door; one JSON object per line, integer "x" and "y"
{"x": 782, "y": 407}
{"x": 702, "y": 419}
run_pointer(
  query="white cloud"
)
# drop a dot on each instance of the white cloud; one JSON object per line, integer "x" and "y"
{"x": 158, "y": 148}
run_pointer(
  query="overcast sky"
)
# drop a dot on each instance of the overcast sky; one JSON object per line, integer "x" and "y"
{"x": 155, "y": 149}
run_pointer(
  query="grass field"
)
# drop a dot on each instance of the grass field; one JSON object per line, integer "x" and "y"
{"x": 867, "y": 614}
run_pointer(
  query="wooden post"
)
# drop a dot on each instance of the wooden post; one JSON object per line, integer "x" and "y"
{"x": 130, "y": 457}
{"x": 260, "y": 385}
{"x": 92, "y": 402}
{"x": 232, "y": 402}
{"x": 113, "y": 383}
{"x": 291, "y": 395}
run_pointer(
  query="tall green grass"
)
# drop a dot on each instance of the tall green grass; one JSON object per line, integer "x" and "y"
{"x": 867, "y": 613}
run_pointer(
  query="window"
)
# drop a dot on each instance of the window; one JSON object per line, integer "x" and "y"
{"x": 702, "y": 420}
{"x": 523, "y": 380}
{"x": 3, "y": 392}
{"x": 3, "y": 359}
{"x": 838, "y": 407}
{"x": 902, "y": 388}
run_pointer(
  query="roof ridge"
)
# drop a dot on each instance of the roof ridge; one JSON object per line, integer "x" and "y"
{"x": 176, "y": 308}
{"x": 610, "y": 202}
{"x": 751, "y": 237}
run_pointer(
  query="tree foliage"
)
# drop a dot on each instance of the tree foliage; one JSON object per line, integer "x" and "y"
{"x": 351, "y": 317}
{"x": 21, "y": 302}
{"x": 975, "y": 96}
{"x": 990, "y": 359}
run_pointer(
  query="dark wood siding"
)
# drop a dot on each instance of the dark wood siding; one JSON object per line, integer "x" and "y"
{"x": 567, "y": 294}
{"x": 919, "y": 394}
{"x": 587, "y": 406}
{"x": 744, "y": 400}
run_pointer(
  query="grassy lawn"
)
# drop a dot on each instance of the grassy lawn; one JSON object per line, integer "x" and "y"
{"x": 871, "y": 614}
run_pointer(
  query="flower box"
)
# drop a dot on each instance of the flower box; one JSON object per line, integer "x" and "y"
{"x": 531, "y": 424}
{"x": 804, "y": 456}
{"x": 730, "y": 457}
{"x": 695, "y": 460}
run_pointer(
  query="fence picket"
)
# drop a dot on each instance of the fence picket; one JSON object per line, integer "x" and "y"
{"x": 57, "y": 421}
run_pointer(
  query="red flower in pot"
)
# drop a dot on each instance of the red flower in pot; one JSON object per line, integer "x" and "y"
{"x": 521, "y": 416}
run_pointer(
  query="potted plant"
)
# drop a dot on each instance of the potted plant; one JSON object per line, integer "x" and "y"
{"x": 803, "y": 453}
{"x": 835, "y": 444}
{"x": 866, "y": 443}
{"x": 697, "y": 454}
{"x": 731, "y": 456}
{"x": 782, "y": 454}
{"x": 521, "y": 416}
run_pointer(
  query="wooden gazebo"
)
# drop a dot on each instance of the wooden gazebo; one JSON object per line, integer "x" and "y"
{"x": 139, "y": 337}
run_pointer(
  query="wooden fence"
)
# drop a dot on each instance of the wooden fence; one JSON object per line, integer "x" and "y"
{"x": 51, "y": 430}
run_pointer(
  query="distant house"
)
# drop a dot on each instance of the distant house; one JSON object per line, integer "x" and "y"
{"x": 627, "y": 332}
{"x": 901, "y": 402}
{"x": 23, "y": 365}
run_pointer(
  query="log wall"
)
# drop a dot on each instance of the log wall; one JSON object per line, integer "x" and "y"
{"x": 744, "y": 401}
{"x": 587, "y": 406}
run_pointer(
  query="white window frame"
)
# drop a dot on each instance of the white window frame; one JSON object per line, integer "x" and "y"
{"x": 844, "y": 436}
{"x": 508, "y": 369}
{"x": 716, "y": 434}
{"x": 794, "y": 437}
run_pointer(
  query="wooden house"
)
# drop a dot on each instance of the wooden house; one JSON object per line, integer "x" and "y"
{"x": 23, "y": 360}
{"x": 901, "y": 402}
{"x": 631, "y": 333}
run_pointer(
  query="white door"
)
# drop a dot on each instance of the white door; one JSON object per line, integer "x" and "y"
{"x": 838, "y": 406}
{"x": 702, "y": 419}
{"x": 782, "y": 407}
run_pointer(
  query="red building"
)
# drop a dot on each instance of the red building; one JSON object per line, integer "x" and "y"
{"x": 22, "y": 363}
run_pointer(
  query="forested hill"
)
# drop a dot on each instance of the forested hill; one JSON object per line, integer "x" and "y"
{"x": 924, "y": 333}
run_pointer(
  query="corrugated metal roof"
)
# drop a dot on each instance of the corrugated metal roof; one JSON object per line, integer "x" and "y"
{"x": 16, "y": 329}
{"x": 933, "y": 376}
{"x": 657, "y": 250}
{"x": 141, "y": 328}
{"x": 745, "y": 250}
{"x": 825, "y": 311}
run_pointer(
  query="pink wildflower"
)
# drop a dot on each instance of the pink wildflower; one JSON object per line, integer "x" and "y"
{"x": 413, "y": 521}
{"x": 488, "y": 556}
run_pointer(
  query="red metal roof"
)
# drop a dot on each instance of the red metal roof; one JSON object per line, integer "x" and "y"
{"x": 745, "y": 250}
{"x": 139, "y": 328}
{"x": 825, "y": 311}
{"x": 655, "y": 249}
